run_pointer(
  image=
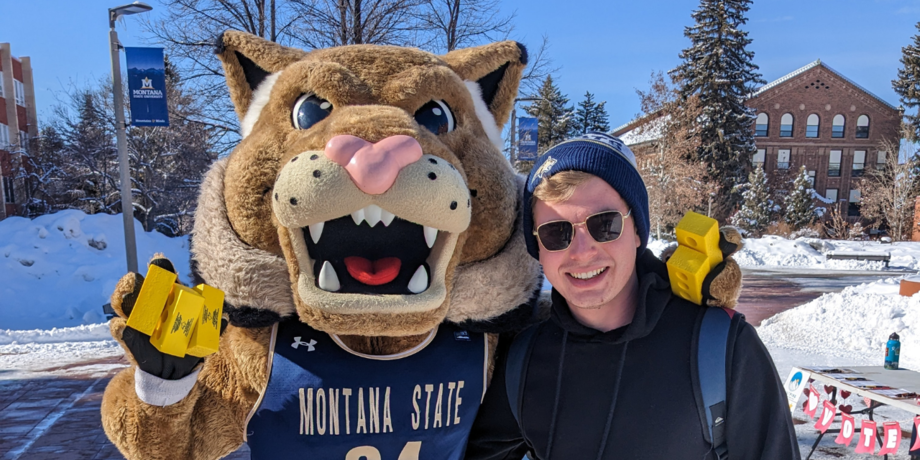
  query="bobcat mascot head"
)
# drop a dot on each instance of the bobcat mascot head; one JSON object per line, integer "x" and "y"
{"x": 368, "y": 195}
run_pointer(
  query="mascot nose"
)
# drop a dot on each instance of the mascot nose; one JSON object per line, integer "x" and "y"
{"x": 373, "y": 167}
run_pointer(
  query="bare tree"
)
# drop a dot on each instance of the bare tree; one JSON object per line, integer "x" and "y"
{"x": 39, "y": 172}
{"x": 539, "y": 66}
{"x": 888, "y": 193}
{"x": 459, "y": 23}
{"x": 675, "y": 180}
{"x": 325, "y": 23}
{"x": 75, "y": 164}
{"x": 188, "y": 31}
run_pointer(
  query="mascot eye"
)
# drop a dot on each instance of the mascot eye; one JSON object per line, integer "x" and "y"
{"x": 436, "y": 117}
{"x": 310, "y": 110}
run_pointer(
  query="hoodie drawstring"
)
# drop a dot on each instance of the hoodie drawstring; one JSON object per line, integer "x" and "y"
{"x": 552, "y": 423}
{"x": 613, "y": 402}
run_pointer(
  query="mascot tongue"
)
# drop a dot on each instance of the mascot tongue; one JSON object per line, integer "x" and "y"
{"x": 374, "y": 273}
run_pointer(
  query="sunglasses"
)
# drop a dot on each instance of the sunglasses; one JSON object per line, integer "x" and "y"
{"x": 604, "y": 227}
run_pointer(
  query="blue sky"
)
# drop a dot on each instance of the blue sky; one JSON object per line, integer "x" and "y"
{"x": 608, "y": 47}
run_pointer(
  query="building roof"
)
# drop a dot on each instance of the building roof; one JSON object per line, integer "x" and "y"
{"x": 812, "y": 65}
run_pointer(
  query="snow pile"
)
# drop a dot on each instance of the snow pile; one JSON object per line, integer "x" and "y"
{"x": 59, "y": 269}
{"x": 778, "y": 252}
{"x": 853, "y": 324}
{"x": 89, "y": 332}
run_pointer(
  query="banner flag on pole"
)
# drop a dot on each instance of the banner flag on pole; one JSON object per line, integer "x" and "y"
{"x": 528, "y": 133}
{"x": 147, "y": 86}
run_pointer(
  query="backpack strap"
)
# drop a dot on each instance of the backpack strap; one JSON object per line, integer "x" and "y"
{"x": 711, "y": 339}
{"x": 516, "y": 368}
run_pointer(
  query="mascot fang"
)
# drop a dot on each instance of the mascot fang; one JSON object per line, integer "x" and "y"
{"x": 366, "y": 233}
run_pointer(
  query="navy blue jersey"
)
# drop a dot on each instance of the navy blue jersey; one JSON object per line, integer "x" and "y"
{"x": 325, "y": 401}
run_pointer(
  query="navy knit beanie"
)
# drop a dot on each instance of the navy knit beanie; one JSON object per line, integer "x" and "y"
{"x": 598, "y": 154}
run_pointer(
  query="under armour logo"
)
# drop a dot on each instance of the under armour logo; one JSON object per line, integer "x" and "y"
{"x": 309, "y": 345}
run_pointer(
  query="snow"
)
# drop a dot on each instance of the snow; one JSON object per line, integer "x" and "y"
{"x": 59, "y": 269}
{"x": 777, "y": 252}
{"x": 852, "y": 325}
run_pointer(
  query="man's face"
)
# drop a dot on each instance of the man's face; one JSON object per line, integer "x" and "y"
{"x": 570, "y": 270}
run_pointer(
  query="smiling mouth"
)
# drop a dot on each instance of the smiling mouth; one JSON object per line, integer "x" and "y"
{"x": 371, "y": 251}
{"x": 587, "y": 275}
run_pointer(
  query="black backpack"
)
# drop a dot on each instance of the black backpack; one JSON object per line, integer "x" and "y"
{"x": 710, "y": 338}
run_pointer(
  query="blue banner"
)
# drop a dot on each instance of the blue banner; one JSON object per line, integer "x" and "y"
{"x": 147, "y": 86}
{"x": 527, "y": 139}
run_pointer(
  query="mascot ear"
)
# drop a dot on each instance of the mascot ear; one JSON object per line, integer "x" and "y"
{"x": 497, "y": 68}
{"x": 247, "y": 61}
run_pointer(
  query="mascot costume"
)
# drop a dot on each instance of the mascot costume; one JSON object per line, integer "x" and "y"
{"x": 366, "y": 235}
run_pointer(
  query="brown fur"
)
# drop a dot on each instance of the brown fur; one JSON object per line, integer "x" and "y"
{"x": 241, "y": 246}
{"x": 726, "y": 288}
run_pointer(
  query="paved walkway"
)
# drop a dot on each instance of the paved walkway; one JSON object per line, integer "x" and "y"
{"x": 58, "y": 419}
{"x": 763, "y": 297}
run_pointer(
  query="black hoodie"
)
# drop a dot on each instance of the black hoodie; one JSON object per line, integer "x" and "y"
{"x": 628, "y": 393}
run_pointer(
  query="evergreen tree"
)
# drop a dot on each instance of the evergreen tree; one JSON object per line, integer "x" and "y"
{"x": 718, "y": 68}
{"x": 800, "y": 203}
{"x": 554, "y": 115}
{"x": 590, "y": 116}
{"x": 757, "y": 209}
{"x": 908, "y": 83}
{"x": 599, "y": 122}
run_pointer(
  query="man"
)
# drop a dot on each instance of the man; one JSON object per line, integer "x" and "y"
{"x": 609, "y": 376}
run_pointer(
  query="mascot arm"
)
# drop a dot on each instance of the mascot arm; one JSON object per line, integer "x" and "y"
{"x": 701, "y": 268}
{"x": 150, "y": 409}
{"x": 207, "y": 423}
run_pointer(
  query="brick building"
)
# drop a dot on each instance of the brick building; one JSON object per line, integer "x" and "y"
{"x": 18, "y": 122}
{"x": 819, "y": 118}
{"x": 815, "y": 117}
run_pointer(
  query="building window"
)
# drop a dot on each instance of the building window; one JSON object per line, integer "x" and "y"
{"x": 811, "y": 125}
{"x": 785, "y": 125}
{"x": 882, "y": 160}
{"x": 24, "y": 141}
{"x": 763, "y": 123}
{"x": 1, "y": 84}
{"x": 862, "y": 127}
{"x": 4, "y": 137}
{"x": 833, "y": 168}
{"x": 782, "y": 159}
{"x": 840, "y": 123}
{"x": 859, "y": 162}
{"x": 853, "y": 208}
{"x": 8, "y": 195}
{"x": 19, "y": 92}
{"x": 759, "y": 158}
{"x": 811, "y": 177}
{"x": 831, "y": 194}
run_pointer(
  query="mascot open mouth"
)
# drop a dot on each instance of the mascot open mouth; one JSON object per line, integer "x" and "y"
{"x": 397, "y": 247}
{"x": 371, "y": 251}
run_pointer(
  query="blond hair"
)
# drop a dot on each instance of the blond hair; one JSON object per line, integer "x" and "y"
{"x": 559, "y": 187}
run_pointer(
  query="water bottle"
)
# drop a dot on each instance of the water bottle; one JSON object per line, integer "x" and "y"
{"x": 892, "y": 352}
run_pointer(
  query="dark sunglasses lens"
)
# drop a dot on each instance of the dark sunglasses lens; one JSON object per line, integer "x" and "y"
{"x": 555, "y": 236}
{"x": 605, "y": 226}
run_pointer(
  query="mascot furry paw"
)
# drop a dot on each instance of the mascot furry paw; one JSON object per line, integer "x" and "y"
{"x": 366, "y": 234}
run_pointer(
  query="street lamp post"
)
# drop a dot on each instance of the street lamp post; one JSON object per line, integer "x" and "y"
{"x": 127, "y": 202}
{"x": 514, "y": 139}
